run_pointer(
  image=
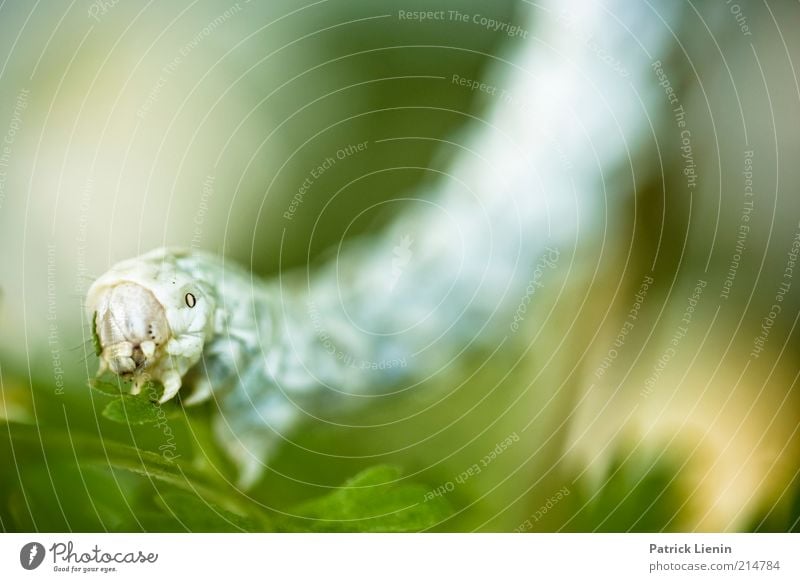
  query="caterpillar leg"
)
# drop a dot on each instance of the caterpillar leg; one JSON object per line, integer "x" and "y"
{"x": 172, "y": 383}
{"x": 251, "y": 431}
{"x": 202, "y": 392}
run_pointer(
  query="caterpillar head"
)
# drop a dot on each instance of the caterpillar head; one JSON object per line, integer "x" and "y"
{"x": 150, "y": 320}
{"x": 130, "y": 326}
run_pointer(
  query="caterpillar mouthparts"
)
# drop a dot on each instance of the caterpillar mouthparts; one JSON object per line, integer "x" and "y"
{"x": 129, "y": 336}
{"x": 149, "y": 321}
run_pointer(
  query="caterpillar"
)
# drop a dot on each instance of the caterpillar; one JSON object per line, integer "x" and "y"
{"x": 449, "y": 273}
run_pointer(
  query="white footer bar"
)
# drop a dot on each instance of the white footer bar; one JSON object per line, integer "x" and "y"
{"x": 370, "y": 557}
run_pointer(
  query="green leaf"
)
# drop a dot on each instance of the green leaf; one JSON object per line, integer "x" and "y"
{"x": 195, "y": 514}
{"x": 132, "y": 410}
{"x": 37, "y": 445}
{"x": 142, "y": 408}
{"x": 373, "y": 501}
{"x": 107, "y": 384}
{"x": 152, "y": 390}
{"x": 112, "y": 385}
{"x": 98, "y": 347}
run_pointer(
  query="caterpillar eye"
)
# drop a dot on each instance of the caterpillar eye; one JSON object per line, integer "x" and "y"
{"x": 190, "y": 300}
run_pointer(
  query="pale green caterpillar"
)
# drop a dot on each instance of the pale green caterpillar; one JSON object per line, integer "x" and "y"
{"x": 452, "y": 272}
